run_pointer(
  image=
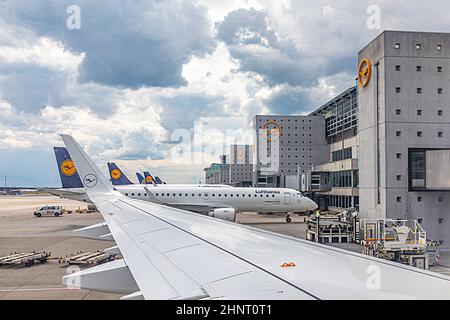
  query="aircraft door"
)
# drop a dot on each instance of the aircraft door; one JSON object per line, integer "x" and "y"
{"x": 287, "y": 198}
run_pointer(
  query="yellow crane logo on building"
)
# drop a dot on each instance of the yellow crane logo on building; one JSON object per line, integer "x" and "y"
{"x": 364, "y": 71}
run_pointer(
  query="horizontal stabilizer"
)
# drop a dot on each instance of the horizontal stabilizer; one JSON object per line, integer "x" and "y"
{"x": 113, "y": 250}
{"x": 107, "y": 236}
{"x": 134, "y": 296}
{"x": 95, "y": 231}
{"x": 114, "y": 277}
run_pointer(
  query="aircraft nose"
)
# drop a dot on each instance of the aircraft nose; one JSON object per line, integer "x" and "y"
{"x": 312, "y": 205}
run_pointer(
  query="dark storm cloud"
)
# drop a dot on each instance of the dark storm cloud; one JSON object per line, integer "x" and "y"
{"x": 30, "y": 87}
{"x": 259, "y": 49}
{"x": 183, "y": 110}
{"x": 291, "y": 101}
{"x": 127, "y": 44}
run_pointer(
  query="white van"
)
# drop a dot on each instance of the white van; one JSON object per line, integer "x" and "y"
{"x": 49, "y": 211}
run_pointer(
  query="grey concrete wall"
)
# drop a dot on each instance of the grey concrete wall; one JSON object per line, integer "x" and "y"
{"x": 433, "y": 205}
{"x": 302, "y": 142}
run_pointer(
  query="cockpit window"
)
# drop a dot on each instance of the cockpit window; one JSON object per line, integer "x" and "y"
{"x": 299, "y": 195}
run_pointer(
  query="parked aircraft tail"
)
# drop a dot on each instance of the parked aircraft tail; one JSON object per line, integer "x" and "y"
{"x": 117, "y": 176}
{"x": 140, "y": 178}
{"x": 149, "y": 178}
{"x": 67, "y": 171}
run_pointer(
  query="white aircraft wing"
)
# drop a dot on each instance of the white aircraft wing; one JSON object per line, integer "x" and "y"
{"x": 175, "y": 254}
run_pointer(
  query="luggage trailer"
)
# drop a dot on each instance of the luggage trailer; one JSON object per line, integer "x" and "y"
{"x": 87, "y": 258}
{"x": 27, "y": 259}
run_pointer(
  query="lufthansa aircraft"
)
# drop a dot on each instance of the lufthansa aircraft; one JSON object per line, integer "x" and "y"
{"x": 170, "y": 253}
{"x": 220, "y": 201}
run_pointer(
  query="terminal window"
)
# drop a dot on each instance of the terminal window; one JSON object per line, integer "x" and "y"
{"x": 417, "y": 169}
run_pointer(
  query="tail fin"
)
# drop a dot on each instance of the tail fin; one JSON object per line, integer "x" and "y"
{"x": 158, "y": 180}
{"x": 118, "y": 178}
{"x": 149, "y": 178}
{"x": 67, "y": 171}
{"x": 92, "y": 178}
{"x": 140, "y": 178}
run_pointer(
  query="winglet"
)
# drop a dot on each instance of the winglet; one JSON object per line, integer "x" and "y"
{"x": 92, "y": 178}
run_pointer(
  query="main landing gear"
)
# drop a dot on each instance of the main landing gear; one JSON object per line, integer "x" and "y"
{"x": 288, "y": 218}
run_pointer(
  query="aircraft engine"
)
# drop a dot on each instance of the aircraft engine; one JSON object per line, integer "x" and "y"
{"x": 228, "y": 214}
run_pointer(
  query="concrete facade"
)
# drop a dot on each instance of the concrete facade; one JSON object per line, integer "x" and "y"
{"x": 301, "y": 145}
{"x": 237, "y": 171}
{"x": 405, "y": 105}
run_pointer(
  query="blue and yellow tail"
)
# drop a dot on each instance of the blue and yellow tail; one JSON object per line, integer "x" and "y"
{"x": 67, "y": 171}
{"x": 158, "y": 180}
{"x": 118, "y": 178}
{"x": 149, "y": 178}
{"x": 140, "y": 178}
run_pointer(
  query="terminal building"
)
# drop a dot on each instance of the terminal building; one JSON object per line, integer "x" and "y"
{"x": 404, "y": 130}
{"x": 382, "y": 146}
{"x": 334, "y": 184}
{"x": 236, "y": 169}
{"x": 299, "y": 143}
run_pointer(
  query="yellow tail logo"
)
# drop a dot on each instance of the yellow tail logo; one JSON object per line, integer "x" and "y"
{"x": 115, "y": 174}
{"x": 68, "y": 168}
{"x": 148, "y": 179}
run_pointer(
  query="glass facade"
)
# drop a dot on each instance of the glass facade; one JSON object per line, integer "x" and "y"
{"x": 344, "y": 179}
{"x": 341, "y": 154}
{"x": 417, "y": 169}
{"x": 341, "y": 113}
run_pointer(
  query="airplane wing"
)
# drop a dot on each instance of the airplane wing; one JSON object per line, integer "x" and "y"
{"x": 175, "y": 254}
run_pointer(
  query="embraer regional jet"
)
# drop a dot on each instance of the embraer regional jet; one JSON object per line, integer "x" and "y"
{"x": 219, "y": 201}
{"x": 170, "y": 253}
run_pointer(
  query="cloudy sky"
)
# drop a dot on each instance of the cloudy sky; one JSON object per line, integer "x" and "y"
{"x": 136, "y": 76}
